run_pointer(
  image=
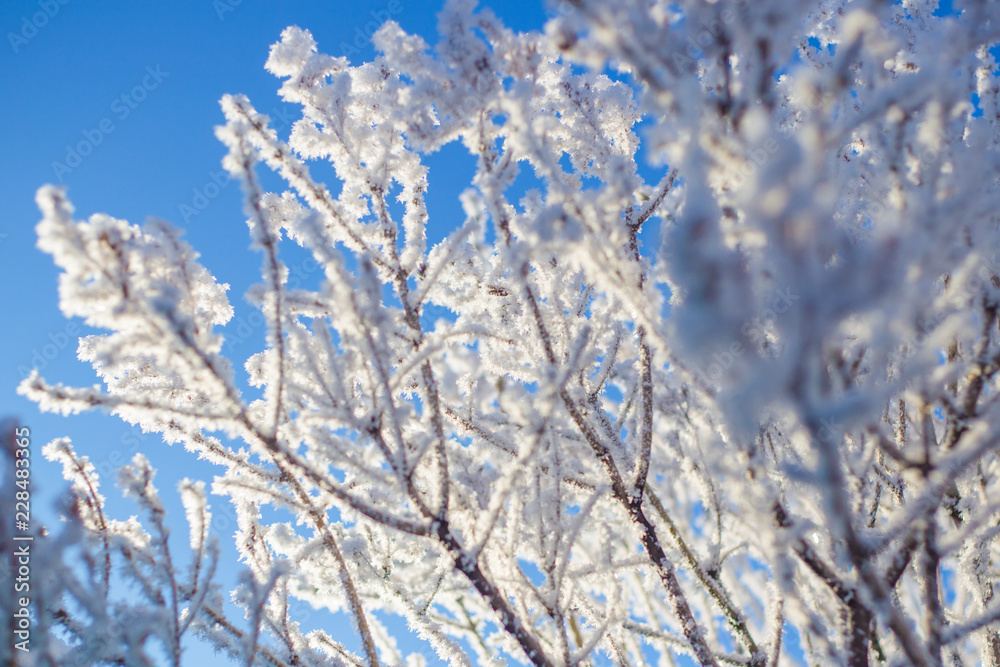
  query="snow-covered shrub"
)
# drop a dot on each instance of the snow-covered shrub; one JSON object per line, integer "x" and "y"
{"x": 734, "y": 398}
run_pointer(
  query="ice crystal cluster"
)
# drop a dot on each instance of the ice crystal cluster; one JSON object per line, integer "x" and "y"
{"x": 711, "y": 376}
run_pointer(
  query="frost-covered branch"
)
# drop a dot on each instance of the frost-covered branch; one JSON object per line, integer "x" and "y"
{"x": 692, "y": 390}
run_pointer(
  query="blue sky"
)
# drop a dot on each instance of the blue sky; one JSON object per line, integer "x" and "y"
{"x": 117, "y": 101}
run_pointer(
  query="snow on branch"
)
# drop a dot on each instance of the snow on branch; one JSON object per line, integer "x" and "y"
{"x": 699, "y": 386}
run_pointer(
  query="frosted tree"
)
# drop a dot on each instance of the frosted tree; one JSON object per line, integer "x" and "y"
{"x": 732, "y": 398}
{"x": 75, "y": 583}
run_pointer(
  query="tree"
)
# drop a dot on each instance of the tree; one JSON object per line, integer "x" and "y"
{"x": 734, "y": 399}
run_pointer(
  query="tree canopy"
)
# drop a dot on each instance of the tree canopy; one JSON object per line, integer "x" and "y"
{"x": 707, "y": 369}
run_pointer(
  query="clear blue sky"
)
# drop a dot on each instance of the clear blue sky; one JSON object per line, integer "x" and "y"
{"x": 138, "y": 83}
